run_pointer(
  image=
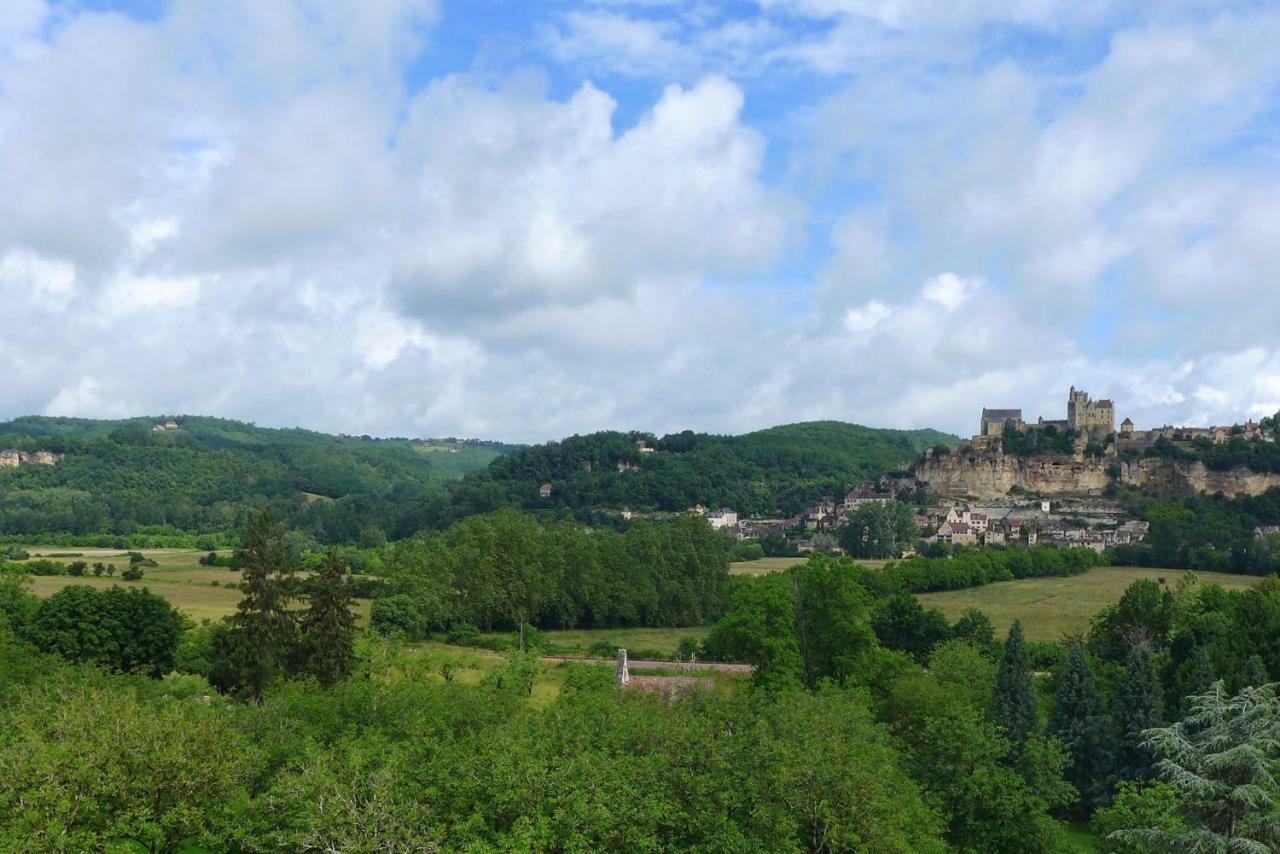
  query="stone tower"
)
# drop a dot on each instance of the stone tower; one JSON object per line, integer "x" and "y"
{"x": 1096, "y": 417}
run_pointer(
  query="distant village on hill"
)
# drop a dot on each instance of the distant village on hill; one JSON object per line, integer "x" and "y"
{"x": 1020, "y": 518}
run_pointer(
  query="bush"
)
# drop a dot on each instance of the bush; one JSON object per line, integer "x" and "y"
{"x": 133, "y": 573}
{"x": 398, "y": 614}
{"x": 464, "y": 634}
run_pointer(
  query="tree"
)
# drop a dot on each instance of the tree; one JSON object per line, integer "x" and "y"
{"x": 902, "y": 623}
{"x": 881, "y": 529}
{"x": 124, "y": 630}
{"x": 959, "y": 759}
{"x": 328, "y": 624}
{"x": 263, "y": 636}
{"x": 1079, "y": 724}
{"x": 1255, "y": 673}
{"x": 76, "y": 568}
{"x": 760, "y": 628}
{"x": 1152, "y": 805}
{"x": 1013, "y": 706}
{"x": 975, "y": 627}
{"x": 1221, "y": 761}
{"x": 1137, "y": 708}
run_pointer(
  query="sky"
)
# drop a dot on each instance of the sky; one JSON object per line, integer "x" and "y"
{"x": 525, "y": 220}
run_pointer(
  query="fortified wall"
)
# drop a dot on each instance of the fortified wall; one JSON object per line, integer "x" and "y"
{"x": 13, "y": 459}
{"x": 985, "y": 474}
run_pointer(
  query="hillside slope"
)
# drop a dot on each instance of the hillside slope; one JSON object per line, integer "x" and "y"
{"x": 210, "y": 474}
{"x": 779, "y": 470}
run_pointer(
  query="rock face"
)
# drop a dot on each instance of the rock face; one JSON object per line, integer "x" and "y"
{"x": 13, "y": 459}
{"x": 987, "y": 474}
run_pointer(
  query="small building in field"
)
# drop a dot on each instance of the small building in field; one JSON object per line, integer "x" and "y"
{"x": 545, "y": 490}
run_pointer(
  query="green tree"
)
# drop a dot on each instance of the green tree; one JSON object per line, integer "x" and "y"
{"x": 760, "y": 628}
{"x": 1079, "y": 724}
{"x": 1013, "y": 706}
{"x": 975, "y": 627}
{"x": 328, "y": 624}
{"x": 1221, "y": 761}
{"x": 881, "y": 529}
{"x": 959, "y": 760}
{"x": 1152, "y": 805}
{"x": 263, "y": 637}
{"x": 124, "y": 630}
{"x": 1137, "y": 707}
{"x": 902, "y": 623}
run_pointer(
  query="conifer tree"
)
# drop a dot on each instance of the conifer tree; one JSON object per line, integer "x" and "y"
{"x": 1138, "y": 707}
{"x": 1199, "y": 679}
{"x": 1013, "y": 705}
{"x": 1222, "y": 762}
{"x": 262, "y": 640}
{"x": 328, "y": 624}
{"x": 1255, "y": 673}
{"x": 1078, "y": 723}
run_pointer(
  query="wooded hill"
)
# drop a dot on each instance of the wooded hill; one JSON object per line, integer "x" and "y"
{"x": 780, "y": 470}
{"x": 206, "y": 478}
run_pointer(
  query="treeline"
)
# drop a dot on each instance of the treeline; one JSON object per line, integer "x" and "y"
{"x": 124, "y": 482}
{"x": 1206, "y": 532}
{"x": 501, "y": 569}
{"x": 975, "y": 567}
{"x": 777, "y": 471}
{"x": 1236, "y": 452}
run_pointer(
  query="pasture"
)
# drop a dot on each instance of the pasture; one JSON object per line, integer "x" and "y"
{"x": 1050, "y": 608}
{"x": 179, "y": 577}
{"x": 766, "y": 565}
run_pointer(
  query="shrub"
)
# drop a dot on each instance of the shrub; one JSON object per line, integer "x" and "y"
{"x": 398, "y": 614}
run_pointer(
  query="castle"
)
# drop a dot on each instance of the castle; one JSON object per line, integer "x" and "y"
{"x": 1094, "y": 418}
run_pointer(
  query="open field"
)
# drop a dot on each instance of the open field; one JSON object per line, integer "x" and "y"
{"x": 579, "y": 641}
{"x": 1052, "y": 607}
{"x": 765, "y": 565}
{"x": 179, "y": 577}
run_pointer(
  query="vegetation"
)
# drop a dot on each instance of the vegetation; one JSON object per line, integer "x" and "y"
{"x": 121, "y": 483}
{"x": 1207, "y": 532}
{"x": 869, "y": 723}
{"x": 506, "y": 568}
{"x": 777, "y": 471}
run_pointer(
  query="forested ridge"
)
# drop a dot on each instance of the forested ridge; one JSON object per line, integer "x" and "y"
{"x": 209, "y": 476}
{"x": 199, "y": 484}
{"x": 780, "y": 470}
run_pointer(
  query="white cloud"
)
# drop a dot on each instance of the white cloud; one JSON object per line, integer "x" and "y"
{"x": 245, "y": 209}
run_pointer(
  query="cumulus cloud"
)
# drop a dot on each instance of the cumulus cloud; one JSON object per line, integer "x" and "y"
{"x": 269, "y": 211}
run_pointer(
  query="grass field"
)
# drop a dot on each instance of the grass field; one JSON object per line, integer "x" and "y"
{"x": 1052, "y": 607}
{"x": 765, "y": 565}
{"x": 579, "y": 641}
{"x": 179, "y": 577}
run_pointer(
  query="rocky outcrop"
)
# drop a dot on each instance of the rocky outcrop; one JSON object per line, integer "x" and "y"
{"x": 987, "y": 474}
{"x": 13, "y": 459}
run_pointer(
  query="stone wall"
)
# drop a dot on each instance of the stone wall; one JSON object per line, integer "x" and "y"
{"x": 992, "y": 474}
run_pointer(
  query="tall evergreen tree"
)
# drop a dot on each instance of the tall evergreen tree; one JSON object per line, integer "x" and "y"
{"x": 1013, "y": 705}
{"x": 1222, "y": 762}
{"x": 328, "y": 624}
{"x": 1078, "y": 722}
{"x": 1255, "y": 673}
{"x": 263, "y": 635}
{"x": 1137, "y": 707}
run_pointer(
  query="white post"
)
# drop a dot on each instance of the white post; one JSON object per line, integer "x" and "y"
{"x": 623, "y": 676}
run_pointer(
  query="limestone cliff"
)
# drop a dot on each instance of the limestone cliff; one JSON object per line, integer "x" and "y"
{"x": 13, "y": 459}
{"x": 987, "y": 474}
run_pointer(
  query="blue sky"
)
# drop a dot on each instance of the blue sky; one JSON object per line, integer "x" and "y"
{"x": 524, "y": 220}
